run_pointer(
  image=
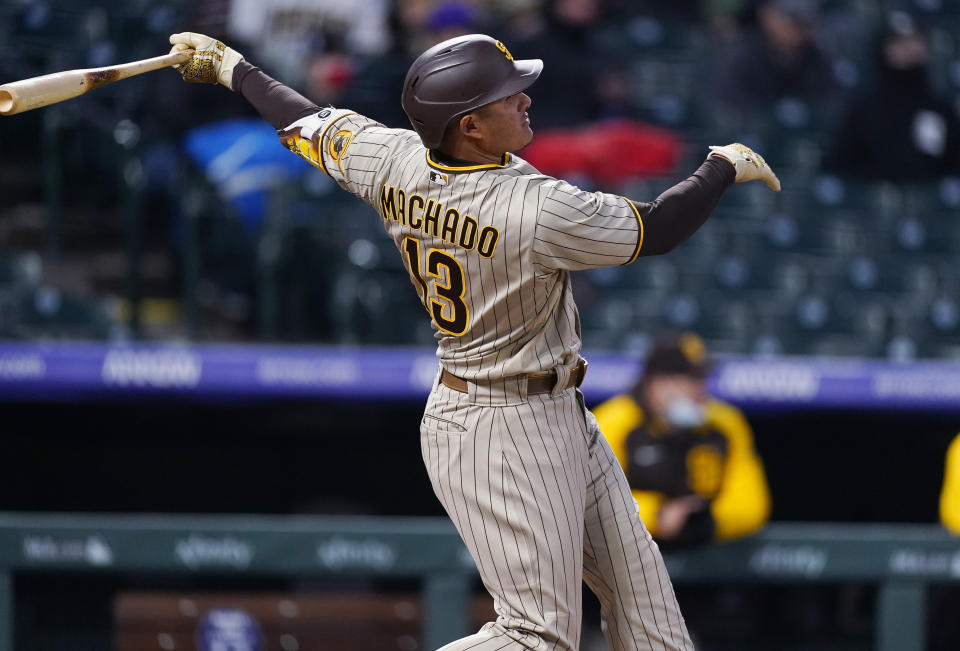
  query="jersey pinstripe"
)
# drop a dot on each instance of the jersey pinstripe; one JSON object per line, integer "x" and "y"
{"x": 529, "y": 481}
{"x": 516, "y": 313}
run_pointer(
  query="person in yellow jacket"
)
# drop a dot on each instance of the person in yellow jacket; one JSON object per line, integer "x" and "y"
{"x": 950, "y": 496}
{"x": 690, "y": 459}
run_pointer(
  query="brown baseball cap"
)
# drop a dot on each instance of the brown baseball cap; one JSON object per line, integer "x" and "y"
{"x": 673, "y": 353}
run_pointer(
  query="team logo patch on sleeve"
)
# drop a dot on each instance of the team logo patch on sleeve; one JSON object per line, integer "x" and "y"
{"x": 339, "y": 143}
{"x": 437, "y": 178}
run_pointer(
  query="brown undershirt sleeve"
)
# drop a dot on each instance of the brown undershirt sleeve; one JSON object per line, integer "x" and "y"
{"x": 676, "y": 214}
{"x": 667, "y": 221}
{"x": 278, "y": 104}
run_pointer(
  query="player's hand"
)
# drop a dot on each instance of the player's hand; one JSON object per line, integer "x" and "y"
{"x": 212, "y": 61}
{"x": 674, "y": 513}
{"x": 748, "y": 163}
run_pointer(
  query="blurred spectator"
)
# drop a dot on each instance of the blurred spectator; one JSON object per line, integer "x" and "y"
{"x": 329, "y": 75}
{"x": 415, "y": 25}
{"x": 683, "y": 11}
{"x": 690, "y": 459}
{"x": 585, "y": 79}
{"x": 776, "y": 60}
{"x": 950, "y": 497}
{"x": 607, "y": 154}
{"x": 284, "y": 26}
{"x": 694, "y": 13}
{"x": 450, "y": 19}
{"x": 900, "y": 129}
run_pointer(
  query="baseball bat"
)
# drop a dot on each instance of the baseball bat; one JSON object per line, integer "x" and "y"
{"x": 35, "y": 92}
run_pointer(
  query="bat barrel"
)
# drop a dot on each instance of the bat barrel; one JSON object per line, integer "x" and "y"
{"x": 7, "y": 102}
{"x": 27, "y": 94}
{"x": 42, "y": 91}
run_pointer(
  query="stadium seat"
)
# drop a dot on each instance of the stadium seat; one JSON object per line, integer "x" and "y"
{"x": 652, "y": 273}
{"x": 944, "y": 316}
{"x": 874, "y": 198}
{"x": 342, "y": 617}
{"x": 653, "y": 35}
{"x": 20, "y": 271}
{"x": 48, "y": 313}
{"x": 928, "y": 234}
{"x": 725, "y": 322}
{"x": 752, "y": 276}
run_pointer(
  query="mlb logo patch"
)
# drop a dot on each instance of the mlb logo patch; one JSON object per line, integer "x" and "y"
{"x": 438, "y": 178}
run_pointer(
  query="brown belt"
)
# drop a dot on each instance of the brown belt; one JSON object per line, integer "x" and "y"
{"x": 539, "y": 383}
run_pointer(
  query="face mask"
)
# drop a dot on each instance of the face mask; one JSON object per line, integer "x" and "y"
{"x": 684, "y": 412}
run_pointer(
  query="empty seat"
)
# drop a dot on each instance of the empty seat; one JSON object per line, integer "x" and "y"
{"x": 49, "y": 313}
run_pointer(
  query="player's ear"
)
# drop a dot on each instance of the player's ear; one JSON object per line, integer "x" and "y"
{"x": 469, "y": 126}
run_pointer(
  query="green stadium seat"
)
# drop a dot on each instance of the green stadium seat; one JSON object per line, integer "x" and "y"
{"x": 716, "y": 318}
{"x": 757, "y": 274}
{"x": 936, "y": 198}
{"x": 837, "y": 324}
{"x": 944, "y": 317}
{"x": 924, "y": 235}
{"x": 789, "y": 232}
{"x": 48, "y": 313}
{"x": 20, "y": 271}
{"x": 929, "y": 8}
{"x": 650, "y": 35}
{"x": 659, "y": 273}
{"x": 874, "y": 198}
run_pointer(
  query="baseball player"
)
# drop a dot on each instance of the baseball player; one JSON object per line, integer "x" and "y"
{"x": 950, "y": 493}
{"x": 514, "y": 457}
{"x": 689, "y": 458}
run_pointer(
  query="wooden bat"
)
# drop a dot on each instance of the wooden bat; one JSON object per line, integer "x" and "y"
{"x": 35, "y": 92}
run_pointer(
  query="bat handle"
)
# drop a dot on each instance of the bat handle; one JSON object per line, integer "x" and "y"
{"x": 125, "y": 70}
{"x": 176, "y": 58}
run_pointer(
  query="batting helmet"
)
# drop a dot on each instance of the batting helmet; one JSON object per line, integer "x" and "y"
{"x": 457, "y": 76}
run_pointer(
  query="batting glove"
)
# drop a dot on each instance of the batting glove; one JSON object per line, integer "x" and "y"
{"x": 212, "y": 61}
{"x": 749, "y": 164}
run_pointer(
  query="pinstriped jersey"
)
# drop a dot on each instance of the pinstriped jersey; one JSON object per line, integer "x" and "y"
{"x": 488, "y": 247}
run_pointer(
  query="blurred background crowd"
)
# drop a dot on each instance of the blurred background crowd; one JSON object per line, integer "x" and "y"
{"x": 151, "y": 210}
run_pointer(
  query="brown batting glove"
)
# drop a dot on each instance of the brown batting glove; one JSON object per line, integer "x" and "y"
{"x": 748, "y": 163}
{"x": 212, "y": 61}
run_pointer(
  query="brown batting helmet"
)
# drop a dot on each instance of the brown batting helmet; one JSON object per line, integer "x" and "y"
{"x": 457, "y": 76}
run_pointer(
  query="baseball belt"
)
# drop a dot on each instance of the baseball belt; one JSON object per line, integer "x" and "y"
{"x": 537, "y": 383}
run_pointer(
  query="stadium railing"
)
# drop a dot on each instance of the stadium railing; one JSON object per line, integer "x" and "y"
{"x": 901, "y": 559}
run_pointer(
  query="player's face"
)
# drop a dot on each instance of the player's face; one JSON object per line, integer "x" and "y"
{"x": 664, "y": 389}
{"x": 505, "y": 125}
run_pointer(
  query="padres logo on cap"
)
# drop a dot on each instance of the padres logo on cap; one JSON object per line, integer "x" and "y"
{"x": 692, "y": 348}
{"x": 506, "y": 52}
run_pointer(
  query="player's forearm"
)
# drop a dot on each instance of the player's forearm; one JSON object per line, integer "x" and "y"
{"x": 677, "y": 213}
{"x": 279, "y": 105}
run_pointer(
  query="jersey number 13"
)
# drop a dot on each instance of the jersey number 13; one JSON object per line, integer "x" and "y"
{"x": 445, "y": 303}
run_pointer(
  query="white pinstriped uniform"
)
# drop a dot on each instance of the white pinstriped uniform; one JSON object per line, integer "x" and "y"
{"x": 530, "y": 483}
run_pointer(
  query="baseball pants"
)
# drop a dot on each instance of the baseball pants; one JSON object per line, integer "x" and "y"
{"x": 542, "y": 504}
